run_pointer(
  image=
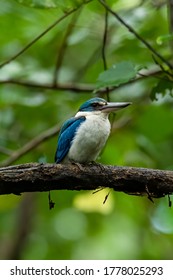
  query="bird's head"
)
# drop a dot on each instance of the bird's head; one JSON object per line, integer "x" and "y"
{"x": 97, "y": 104}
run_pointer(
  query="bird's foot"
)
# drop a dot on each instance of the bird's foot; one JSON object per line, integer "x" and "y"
{"x": 97, "y": 164}
{"x": 77, "y": 164}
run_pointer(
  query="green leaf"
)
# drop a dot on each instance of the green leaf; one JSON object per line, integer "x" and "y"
{"x": 164, "y": 38}
{"x": 163, "y": 87}
{"x": 118, "y": 74}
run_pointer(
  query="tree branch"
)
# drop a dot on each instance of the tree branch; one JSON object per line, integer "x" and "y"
{"x": 77, "y": 87}
{"x": 170, "y": 14}
{"x": 63, "y": 47}
{"x": 170, "y": 19}
{"x": 43, "y": 33}
{"x": 138, "y": 36}
{"x": 37, "y": 38}
{"x": 12, "y": 248}
{"x": 35, "y": 177}
{"x": 105, "y": 34}
{"x": 66, "y": 87}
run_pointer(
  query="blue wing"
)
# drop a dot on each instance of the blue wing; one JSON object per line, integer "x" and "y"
{"x": 66, "y": 136}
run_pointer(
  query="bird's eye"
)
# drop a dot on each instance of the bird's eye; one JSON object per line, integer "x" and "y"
{"x": 95, "y": 104}
{"x": 98, "y": 104}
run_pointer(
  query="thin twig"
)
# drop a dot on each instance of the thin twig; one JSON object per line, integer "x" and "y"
{"x": 5, "y": 151}
{"x": 170, "y": 14}
{"x": 148, "y": 194}
{"x": 62, "y": 50}
{"x": 170, "y": 20}
{"x": 169, "y": 201}
{"x": 40, "y": 35}
{"x": 139, "y": 37}
{"x": 105, "y": 33}
{"x": 51, "y": 203}
{"x": 162, "y": 67}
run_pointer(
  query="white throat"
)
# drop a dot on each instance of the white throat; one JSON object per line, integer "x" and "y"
{"x": 90, "y": 138}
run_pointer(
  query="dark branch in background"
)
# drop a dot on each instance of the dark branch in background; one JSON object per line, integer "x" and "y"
{"x": 11, "y": 247}
{"x": 37, "y": 38}
{"x": 170, "y": 14}
{"x": 5, "y": 151}
{"x": 80, "y": 88}
{"x": 43, "y": 33}
{"x": 170, "y": 19}
{"x": 105, "y": 33}
{"x": 36, "y": 177}
{"x": 30, "y": 145}
{"x": 104, "y": 41}
{"x": 141, "y": 39}
{"x": 167, "y": 72}
{"x": 65, "y": 87}
{"x": 61, "y": 52}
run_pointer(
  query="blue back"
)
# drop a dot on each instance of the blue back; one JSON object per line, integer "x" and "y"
{"x": 66, "y": 136}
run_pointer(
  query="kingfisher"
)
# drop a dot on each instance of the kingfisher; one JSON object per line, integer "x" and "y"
{"x": 83, "y": 136}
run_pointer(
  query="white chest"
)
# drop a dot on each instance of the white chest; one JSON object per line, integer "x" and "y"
{"x": 89, "y": 139}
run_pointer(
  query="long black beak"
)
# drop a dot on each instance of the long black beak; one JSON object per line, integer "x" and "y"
{"x": 114, "y": 106}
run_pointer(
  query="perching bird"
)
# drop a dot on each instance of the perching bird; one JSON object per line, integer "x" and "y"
{"x": 82, "y": 137}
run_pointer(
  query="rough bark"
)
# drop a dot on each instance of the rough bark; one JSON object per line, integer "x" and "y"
{"x": 35, "y": 177}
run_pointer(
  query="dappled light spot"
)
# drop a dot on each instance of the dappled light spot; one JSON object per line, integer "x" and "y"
{"x": 70, "y": 224}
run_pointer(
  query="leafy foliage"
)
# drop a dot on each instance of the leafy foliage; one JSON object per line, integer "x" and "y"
{"x": 71, "y": 56}
{"x": 118, "y": 74}
{"x": 163, "y": 87}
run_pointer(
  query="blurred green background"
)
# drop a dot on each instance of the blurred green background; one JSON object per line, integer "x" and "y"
{"x": 81, "y": 226}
